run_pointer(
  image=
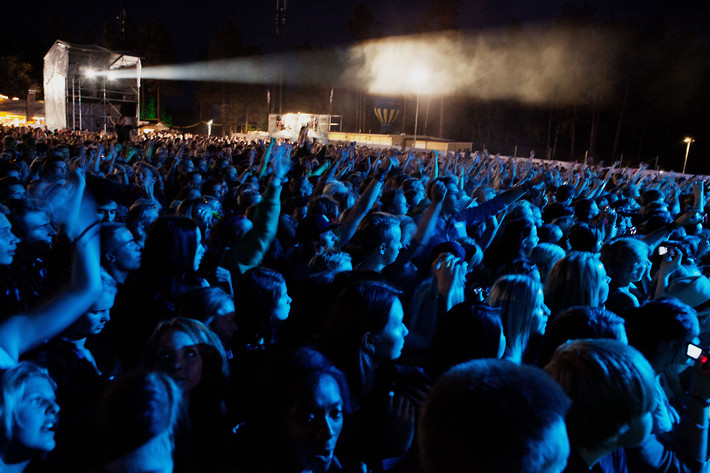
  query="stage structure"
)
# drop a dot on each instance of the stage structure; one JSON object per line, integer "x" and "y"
{"x": 80, "y": 90}
{"x": 289, "y": 125}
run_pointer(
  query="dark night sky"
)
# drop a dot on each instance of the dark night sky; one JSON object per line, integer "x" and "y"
{"x": 25, "y": 31}
{"x": 317, "y": 22}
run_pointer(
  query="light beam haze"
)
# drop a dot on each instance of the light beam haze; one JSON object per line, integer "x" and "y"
{"x": 534, "y": 66}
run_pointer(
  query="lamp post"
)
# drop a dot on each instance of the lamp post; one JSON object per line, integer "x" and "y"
{"x": 687, "y": 150}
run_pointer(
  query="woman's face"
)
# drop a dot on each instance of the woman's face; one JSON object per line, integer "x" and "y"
{"x": 390, "y": 341}
{"x": 540, "y": 315}
{"x": 93, "y": 321}
{"x": 179, "y": 356}
{"x": 36, "y": 417}
{"x": 283, "y": 303}
{"x": 314, "y": 425}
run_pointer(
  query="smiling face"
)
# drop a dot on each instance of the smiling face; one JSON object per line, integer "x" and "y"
{"x": 314, "y": 425}
{"x": 35, "y": 417}
{"x": 179, "y": 356}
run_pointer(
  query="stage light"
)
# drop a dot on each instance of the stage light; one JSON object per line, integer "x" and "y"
{"x": 534, "y": 66}
{"x": 419, "y": 77}
{"x": 90, "y": 73}
{"x": 687, "y": 151}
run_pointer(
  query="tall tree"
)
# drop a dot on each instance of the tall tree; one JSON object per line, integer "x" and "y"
{"x": 156, "y": 47}
{"x": 15, "y": 76}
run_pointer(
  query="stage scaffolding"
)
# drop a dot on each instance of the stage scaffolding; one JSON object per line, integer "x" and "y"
{"x": 80, "y": 92}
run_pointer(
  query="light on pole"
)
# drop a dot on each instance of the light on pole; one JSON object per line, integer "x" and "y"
{"x": 209, "y": 128}
{"x": 687, "y": 150}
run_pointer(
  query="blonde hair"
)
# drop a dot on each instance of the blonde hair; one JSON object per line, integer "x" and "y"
{"x": 215, "y": 357}
{"x": 575, "y": 280}
{"x": 517, "y": 297}
{"x": 545, "y": 255}
{"x": 12, "y": 390}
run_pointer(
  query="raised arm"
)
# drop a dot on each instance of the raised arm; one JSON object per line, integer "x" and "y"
{"x": 249, "y": 251}
{"x": 426, "y": 225}
{"x": 21, "y": 332}
{"x": 347, "y": 228}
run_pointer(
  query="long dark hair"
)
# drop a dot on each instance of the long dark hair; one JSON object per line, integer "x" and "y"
{"x": 361, "y": 307}
{"x": 256, "y": 297}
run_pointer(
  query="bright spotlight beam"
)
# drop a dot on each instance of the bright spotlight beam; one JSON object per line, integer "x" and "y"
{"x": 419, "y": 78}
{"x": 535, "y": 66}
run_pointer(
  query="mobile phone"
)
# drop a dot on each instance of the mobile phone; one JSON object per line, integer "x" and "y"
{"x": 696, "y": 352}
{"x": 662, "y": 250}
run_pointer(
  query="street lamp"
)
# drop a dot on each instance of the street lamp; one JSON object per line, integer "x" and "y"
{"x": 687, "y": 150}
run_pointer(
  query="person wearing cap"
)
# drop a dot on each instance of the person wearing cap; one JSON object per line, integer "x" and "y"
{"x": 694, "y": 291}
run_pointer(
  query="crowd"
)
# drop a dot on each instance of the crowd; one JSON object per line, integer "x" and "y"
{"x": 187, "y": 303}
